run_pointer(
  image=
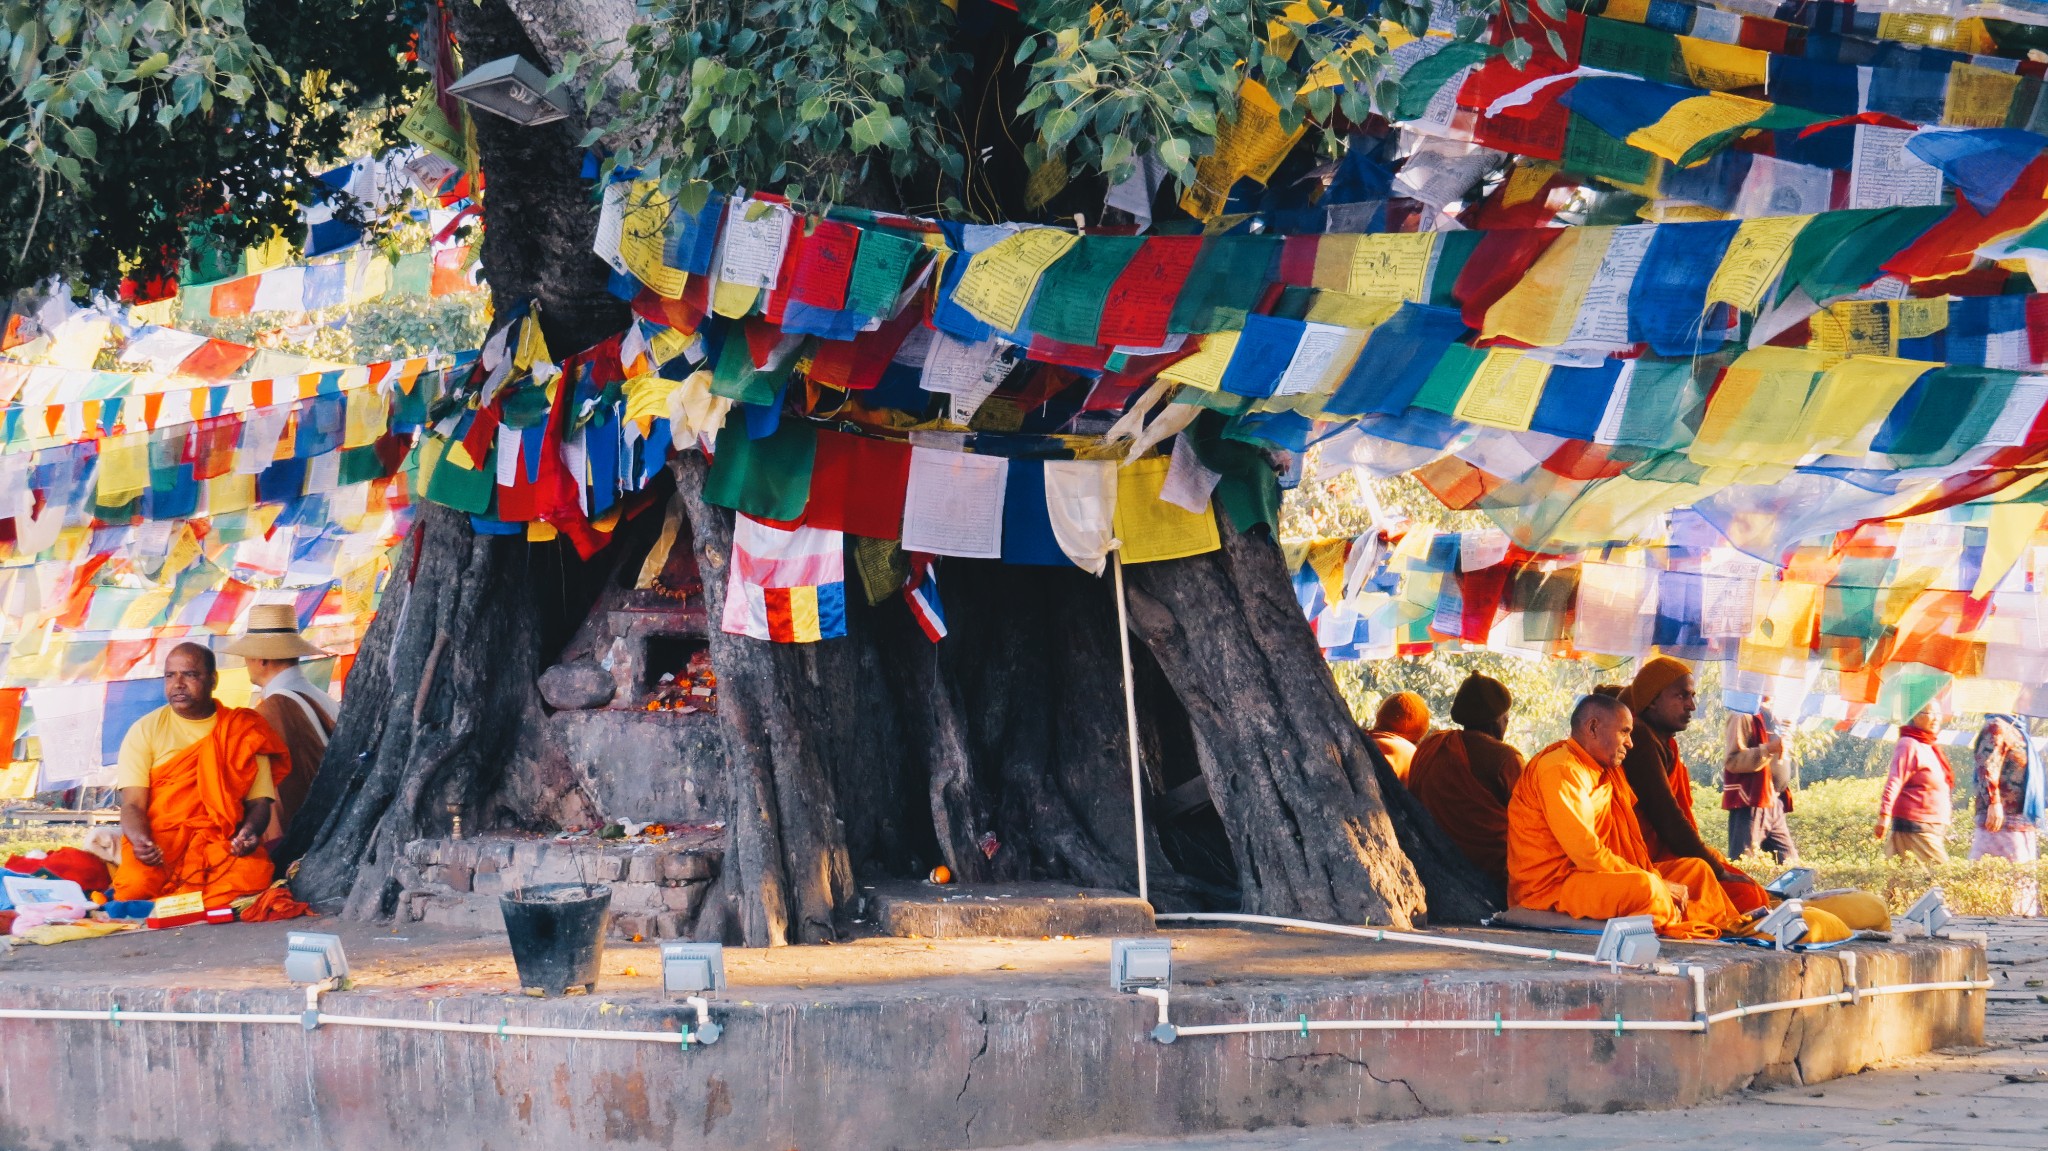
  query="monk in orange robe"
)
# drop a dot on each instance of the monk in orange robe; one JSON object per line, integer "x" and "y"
{"x": 1401, "y": 723}
{"x": 1663, "y": 700}
{"x": 197, "y": 781}
{"x": 1465, "y": 777}
{"x": 1574, "y": 847}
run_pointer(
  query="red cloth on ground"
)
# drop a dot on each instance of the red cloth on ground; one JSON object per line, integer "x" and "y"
{"x": 84, "y": 868}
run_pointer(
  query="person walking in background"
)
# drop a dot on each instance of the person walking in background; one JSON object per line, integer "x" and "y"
{"x": 2009, "y": 804}
{"x": 1913, "y": 810}
{"x": 1756, "y": 786}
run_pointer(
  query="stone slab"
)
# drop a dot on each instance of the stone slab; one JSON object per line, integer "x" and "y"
{"x": 896, "y": 1044}
{"x": 914, "y": 910}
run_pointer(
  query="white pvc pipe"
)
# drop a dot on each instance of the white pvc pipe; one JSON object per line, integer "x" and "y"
{"x": 506, "y": 1030}
{"x": 1123, "y": 639}
{"x": 1383, "y": 936}
{"x": 1297, "y": 1027}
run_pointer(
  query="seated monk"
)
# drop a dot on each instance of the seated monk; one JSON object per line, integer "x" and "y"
{"x": 1663, "y": 700}
{"x": 1465, "y": 777}
{"x": 1401, "y": 723}
{"x": 1573, "y": 844}
{"x": 197, "y": 781}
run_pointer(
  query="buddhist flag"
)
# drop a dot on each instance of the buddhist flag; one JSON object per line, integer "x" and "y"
{"x": 785, "y": 585}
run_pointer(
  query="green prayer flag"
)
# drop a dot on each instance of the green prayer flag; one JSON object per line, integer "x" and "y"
{"x": 768, "y": 478}
{"x": 413, "y": 275}
{"x": 879, "y": 266}
{"x": 1453, "y": 250}
{"x": 1957, "y": 406}
{"x": 1420, "y": 84}
{"x": 1072, "y": 293}
{"x": 1661, "y": 397}
{"x": 1229, "y": 276}
{"x": 1637, "y": 49}
{"x": 359, "y": 465}
{"x": 1840, "y": 252}
{"x": 1448, "y": 380}
{"x": 464, "y": 489}
{"x": 735, "y": 378}
{"x": 1590, "y": 151}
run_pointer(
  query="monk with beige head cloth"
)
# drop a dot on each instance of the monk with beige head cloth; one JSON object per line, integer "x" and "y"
{"x": 1574, "y": 846}
{"x": 1663, "y": 700}
{"x": 1465, "y": 777}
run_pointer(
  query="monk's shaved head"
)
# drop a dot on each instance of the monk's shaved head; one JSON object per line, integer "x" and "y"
{"x": 189, "y": 680}
{"x": 198, "y": 651}
{"x": 1604, "y": 727}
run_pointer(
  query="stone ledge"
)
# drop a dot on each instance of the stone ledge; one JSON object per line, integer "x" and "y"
{"x": 658, "y": 889}
{"x": 1016, "y": 910}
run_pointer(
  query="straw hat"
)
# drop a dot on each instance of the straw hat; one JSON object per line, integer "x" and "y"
{"x": 273, "y": 633}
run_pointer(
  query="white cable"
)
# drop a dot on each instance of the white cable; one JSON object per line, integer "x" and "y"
{"x": 1382, "y": 935}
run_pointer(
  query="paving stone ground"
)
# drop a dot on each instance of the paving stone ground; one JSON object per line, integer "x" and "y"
{"x": 1992, "y": 1097}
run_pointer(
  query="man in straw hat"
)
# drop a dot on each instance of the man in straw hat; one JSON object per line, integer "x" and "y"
{"x": 297, "y": 710}
{"x": 197, "y": 782}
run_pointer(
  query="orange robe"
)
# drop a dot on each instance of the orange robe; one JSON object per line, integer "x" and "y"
{"x": 1654, "y": 762}
{"x": 1465, "y": 778}
{"x": 195, "y": 805}
{"x": 1399, "y": 752}
{"x": 1574, "y": 848}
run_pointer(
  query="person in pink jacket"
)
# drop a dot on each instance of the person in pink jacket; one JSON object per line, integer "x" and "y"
{"x": 1913, "y": 811}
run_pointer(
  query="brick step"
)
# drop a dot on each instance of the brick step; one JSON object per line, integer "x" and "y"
{"x": 659, "y": 890}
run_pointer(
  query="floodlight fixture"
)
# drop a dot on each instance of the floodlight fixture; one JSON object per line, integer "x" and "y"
{"x": 692, "y": 968}
{"x": 1135, "y": 963}
{"x": 1930, "y": 912}
{"x": 314, "y": 957}
{"x": 1629, "y": 940}
{"x": 1796, "y": 883}
{"x": 512, "y": 87}
{"x": 1785, "y": 925}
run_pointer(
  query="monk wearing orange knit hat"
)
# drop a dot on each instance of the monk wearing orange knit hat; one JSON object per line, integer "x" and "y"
{"x": 1574, "y": 846}
{"x": 1663, "y": 700}
{"x": 1401, "y": 723}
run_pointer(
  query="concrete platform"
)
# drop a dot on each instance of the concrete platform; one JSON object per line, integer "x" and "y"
{"x": 912, "y": 910}
{"x": 891, "y": 1043}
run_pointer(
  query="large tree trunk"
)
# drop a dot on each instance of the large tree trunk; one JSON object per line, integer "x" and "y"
{"x": 1001, "y": 752}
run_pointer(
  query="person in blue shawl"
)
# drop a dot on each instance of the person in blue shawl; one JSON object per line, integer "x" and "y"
{"x": 2010, "y": 802}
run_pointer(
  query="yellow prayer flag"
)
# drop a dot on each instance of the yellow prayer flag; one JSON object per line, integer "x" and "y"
{"x": 1152, "y": 529}
{"x": 1393, "y": 265}
{"x": 124, "y": 468}
{"x": 1781, "y": 638}
{"x": 1978, "y": 97}
{"x": 644, "y": 235}
{"x": 1349, "y": 311}
{"x": 1914, "y": 319}
{"x": 1719, "y": 67}
{"x": 1693, "y": 120}
{"x": 1204, "y": 369}
{"x": 229, "y": 493}
{"x": 369, "y": 413}
{"x": 1853, "y": 328}
{"x": 1000, "y": 278}
{"x": 1753, "y": 417}
{"x": 1753, "y": 260}
{"x": 733, "y": 301}
{"x": 1540, "y": 308}
{"x": 1850, "y": 403}
{"x": 145, "y": 609}
{"x": 1632, "y": 11}
{"x": 1504, "y": 391}
{"x": 2011, "y": 529}
{"x": 1251, "y": 143}
{"x": 1334, "y": 255}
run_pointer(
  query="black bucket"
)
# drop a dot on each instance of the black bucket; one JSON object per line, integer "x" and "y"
{"x": 557, "y": 934}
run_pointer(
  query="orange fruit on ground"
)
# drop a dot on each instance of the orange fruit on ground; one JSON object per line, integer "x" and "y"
{"x": 942, "y": 874}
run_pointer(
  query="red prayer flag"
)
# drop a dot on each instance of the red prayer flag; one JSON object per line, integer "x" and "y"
{"x": 1298, "y": 261}
{"x": 858, "y": 485}
{"x": 451, "y": 271}
{"x": 1500, "y": 262}
{"x": 1134, "y": 314}
{"x": 216, "y": 360}
{"x": 10, "y": 717}
{"x": 825, "y": 264}
{"x": 235, "y": 297}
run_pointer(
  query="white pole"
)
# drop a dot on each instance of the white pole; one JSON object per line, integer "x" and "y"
{"x": 1123, "y": 638}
